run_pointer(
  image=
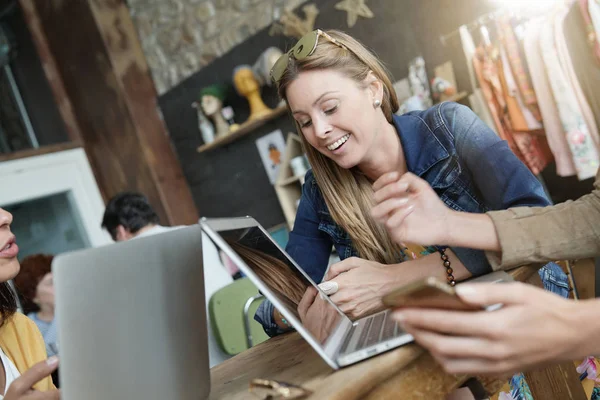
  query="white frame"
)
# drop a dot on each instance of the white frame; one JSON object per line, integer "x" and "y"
{"x": 45, "y": 175}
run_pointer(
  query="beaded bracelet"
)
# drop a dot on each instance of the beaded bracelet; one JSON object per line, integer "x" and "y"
{"x": 449, "y": 270}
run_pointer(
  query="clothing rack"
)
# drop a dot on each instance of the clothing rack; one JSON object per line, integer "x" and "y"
{"x": 486, "y": 18}
{"x": 480, "y": 21}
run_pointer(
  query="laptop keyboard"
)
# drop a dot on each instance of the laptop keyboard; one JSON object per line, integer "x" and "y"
{"x": 377, "y": 329}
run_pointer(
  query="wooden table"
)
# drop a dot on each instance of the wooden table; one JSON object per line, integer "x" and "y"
{"x": 404, "y": 373}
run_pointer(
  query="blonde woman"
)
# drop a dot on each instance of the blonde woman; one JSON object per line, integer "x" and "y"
{"x": 342, "y": 100}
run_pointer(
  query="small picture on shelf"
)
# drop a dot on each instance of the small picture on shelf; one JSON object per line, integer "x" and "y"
{"x": 271, "y": 148}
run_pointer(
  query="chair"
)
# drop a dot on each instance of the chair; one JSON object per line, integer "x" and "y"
{"x": 231, "y": 310}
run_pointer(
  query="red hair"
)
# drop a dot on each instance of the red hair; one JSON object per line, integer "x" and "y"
{"x": 33, "y": 269}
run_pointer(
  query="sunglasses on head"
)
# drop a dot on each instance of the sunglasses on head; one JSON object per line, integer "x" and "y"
{"x": 304, "y": 48}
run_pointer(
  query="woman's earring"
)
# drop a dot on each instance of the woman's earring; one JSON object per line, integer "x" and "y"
{"x": 376, "y": 103}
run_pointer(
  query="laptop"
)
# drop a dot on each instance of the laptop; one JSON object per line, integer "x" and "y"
{"x": 132, "y": 319}
{"x": 335, "y": 337}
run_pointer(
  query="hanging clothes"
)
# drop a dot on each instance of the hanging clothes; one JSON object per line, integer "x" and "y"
{"x": 583, "y": 149}
{"x": 511, "y": 46}
{"x": 593, "y": 20}
{"x": 567, "y": 66}
{"x": 477, "y": 99}
{"x": 487, "y": 74}
{"x": 521, "y": 117}
{"x": 533, "y": 147}
{"x": 555, "y": 134}
{"x": 583, "y": 60}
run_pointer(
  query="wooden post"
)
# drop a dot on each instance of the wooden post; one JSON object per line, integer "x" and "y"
{"x": 105, "y": 78}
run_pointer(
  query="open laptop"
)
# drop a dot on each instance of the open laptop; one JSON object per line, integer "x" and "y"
{"x": 132, "y": 319}
{"x": 337, "y": 339}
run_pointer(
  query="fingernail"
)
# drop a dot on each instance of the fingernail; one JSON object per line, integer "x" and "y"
{"x": 398, "y": 316}
{"x": 465, "y": 291}
{"x": 52, "y": 361}
{"x": 329, "y": 287}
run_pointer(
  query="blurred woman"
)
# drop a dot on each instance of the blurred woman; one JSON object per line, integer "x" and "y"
{"x": 36, "y": 290}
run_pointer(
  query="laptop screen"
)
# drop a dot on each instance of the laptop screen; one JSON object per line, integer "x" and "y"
{"x": 318, "y": 315}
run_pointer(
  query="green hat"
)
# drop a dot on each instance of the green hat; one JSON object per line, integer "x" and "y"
{"x": 217, "y": 90}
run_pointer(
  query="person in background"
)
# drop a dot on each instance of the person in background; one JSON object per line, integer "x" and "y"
{"x": 129, "y": 215}
{"x": 24, "y": 370}
{"x": 36, "y": 289}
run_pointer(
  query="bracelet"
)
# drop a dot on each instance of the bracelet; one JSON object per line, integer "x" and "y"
{"x": 449, "y": 270}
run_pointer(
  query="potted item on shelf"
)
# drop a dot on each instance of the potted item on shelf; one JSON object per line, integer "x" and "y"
{"x": 441, "y": 87}
{"x": 299, "y": 165}
{"x": 207, "y": 131}
{"x": 211, "y": 102}
{"x": 419, "y": 84}
{"x": 247, "y": 86}
{"x": 228, "y": 114}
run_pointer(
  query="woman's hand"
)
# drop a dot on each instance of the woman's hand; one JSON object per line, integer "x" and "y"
{"x": 361, "y": 283}
{"x": 533, "y": 327}
{"x": 21, "y": 388}
{"x": 410, "y": 210}
{"x": 317, "y": 316}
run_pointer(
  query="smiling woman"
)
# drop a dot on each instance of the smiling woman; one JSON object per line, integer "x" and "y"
{"x": 343, "y": 103}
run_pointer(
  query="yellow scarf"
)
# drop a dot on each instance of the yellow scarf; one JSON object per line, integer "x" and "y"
{"x": 22, "y": 342}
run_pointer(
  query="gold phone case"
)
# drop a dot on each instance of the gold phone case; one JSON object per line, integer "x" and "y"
{"x": 430, "y": 292}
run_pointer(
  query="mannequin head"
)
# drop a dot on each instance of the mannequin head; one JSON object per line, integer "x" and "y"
{"x": 244, "y": 80}
{"x": 211, "y": 99}
{"x": 264, "y": 63}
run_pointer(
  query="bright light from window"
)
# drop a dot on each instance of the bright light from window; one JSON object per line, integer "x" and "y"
{"x": 528, "y": 6}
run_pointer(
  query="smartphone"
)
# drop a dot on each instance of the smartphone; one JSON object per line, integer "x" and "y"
{"x": 430, "y": 292}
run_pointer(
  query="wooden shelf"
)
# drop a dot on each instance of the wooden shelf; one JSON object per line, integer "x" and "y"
{"x": 291, "y": 179}
{"x": 289, "y": 186}
{"x": 456, "y": 98}
{"x": 243, "y": 130}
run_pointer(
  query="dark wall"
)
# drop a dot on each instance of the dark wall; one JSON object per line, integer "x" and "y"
{"x": 230, "y": 181}
{"x": 37, "y": 96}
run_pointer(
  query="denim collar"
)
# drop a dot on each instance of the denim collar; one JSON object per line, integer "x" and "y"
{"x": 422, "y": 148}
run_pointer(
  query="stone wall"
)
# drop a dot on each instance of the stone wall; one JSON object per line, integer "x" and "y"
{"x": 179, "y": 37}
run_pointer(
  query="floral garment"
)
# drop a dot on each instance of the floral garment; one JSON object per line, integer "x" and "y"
{"x": 517, "y": 388}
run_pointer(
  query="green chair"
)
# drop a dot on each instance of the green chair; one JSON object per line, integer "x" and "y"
{"x": 231, "y": 310}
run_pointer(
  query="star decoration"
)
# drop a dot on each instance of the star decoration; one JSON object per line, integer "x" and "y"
{"x": 355, "y": 9}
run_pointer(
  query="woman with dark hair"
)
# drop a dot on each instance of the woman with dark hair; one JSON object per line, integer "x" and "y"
{"x": 36, "y": 290}
{"x": 24, "y": 370}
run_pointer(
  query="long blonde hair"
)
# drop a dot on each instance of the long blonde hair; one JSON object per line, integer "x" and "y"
{"x": 275, "y": 273}
{"x": 348, "y": 193}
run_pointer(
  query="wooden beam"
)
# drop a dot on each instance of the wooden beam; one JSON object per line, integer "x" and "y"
{"x": 63, "y": 102}
{"x": 133, "y": 77}
{"x": 114, "y": 104}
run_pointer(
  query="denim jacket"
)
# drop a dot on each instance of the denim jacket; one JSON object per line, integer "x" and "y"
{"x": 467, "y": 164}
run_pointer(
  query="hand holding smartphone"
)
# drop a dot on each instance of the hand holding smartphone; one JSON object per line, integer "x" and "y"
{"x": 430, "y": 292}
